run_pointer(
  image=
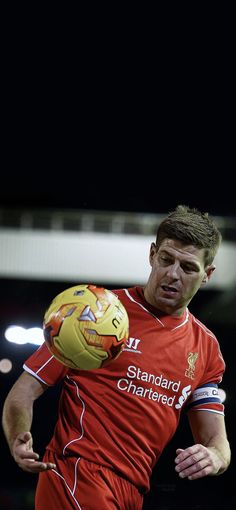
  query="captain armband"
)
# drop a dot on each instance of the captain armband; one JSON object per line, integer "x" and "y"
{"x": 206, "y": 398}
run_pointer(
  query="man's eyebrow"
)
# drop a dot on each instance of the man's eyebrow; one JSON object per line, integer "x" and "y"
{"x": 191, "y": 263}
{"x": 165, "y": 250}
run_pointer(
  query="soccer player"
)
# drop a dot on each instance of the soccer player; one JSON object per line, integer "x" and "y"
{"x": 114, "y": 422}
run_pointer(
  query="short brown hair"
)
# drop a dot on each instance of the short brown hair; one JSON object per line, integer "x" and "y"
{"x": 191, "y": 226}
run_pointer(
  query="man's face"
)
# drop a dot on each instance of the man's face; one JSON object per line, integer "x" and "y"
{"x": 177, "y": 273}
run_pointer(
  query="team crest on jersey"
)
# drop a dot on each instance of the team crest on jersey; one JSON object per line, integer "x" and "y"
{"x": 192, "y": 358}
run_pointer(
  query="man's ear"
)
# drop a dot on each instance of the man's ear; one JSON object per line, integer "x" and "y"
{"x": 152, "y": 253}
{"x": 208, "y": 272}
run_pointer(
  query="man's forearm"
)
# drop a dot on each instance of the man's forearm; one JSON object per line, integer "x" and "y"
{"x": 16, "y": 418}
{"x": 18, "y": 407}
{"x": 221, "y": 448}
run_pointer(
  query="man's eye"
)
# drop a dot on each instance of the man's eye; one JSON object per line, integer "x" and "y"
{"x": 189, "y": 269}
{"x": 164, "y": 259}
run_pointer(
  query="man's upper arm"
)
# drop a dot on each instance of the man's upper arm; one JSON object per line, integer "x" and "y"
{"x": 27, "y": 386}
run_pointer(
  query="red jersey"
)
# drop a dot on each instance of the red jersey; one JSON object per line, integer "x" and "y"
{"x": 123, "y": 415}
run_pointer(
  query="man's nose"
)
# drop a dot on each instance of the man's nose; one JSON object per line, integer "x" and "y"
{"x": 174, "y": 271}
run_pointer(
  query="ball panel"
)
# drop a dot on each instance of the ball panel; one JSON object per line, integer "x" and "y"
{"x": 86, "y": 327}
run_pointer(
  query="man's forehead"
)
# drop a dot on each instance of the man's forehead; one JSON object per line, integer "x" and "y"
{"x": 189, "y": 251}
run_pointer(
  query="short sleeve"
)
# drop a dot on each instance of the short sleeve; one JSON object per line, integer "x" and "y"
{"x": 206, "y": 396}
{"x": 45, "y": 367}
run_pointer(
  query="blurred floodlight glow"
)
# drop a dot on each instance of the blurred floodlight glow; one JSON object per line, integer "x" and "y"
{"x": 15, "y": 334}
{"x": 19, "y": 335}
{"x": 34, "y": 336}
{"x": 5, "y": 365}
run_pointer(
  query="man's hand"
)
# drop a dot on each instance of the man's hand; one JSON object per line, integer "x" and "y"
{"x": 197, "y": 461}
{"x": 25, "y": 457}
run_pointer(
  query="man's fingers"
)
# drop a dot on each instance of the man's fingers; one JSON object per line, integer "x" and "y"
{"x": 29, "y": 455}
{"x": 33, "y": 466}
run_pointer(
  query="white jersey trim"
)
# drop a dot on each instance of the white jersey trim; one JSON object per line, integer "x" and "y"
{"x": 143, "y": 307}
{"x": 81, "y": 416}
{"x": 71, "y": 491}
{"x": 208, "y": 410}
{"x": 27, "y": 369}
{"x": 158, "y": 320}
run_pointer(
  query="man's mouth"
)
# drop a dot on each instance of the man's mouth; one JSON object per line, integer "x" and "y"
{"x": 169, "y": 289}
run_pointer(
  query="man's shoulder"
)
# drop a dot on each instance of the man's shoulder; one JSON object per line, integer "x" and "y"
{"x": 129, "y": 295}
{"x": 125, "y": 290}
{"x": 198, "y": 325}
